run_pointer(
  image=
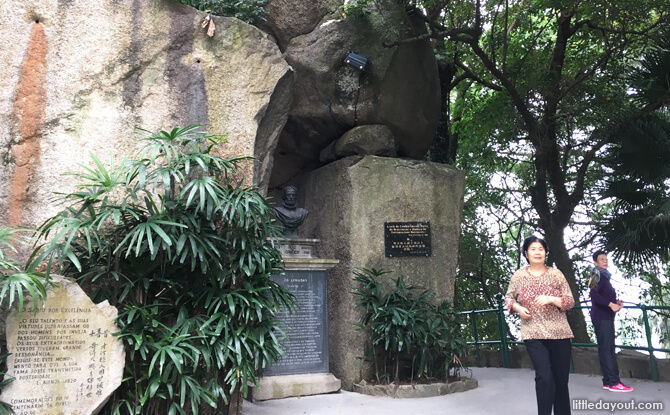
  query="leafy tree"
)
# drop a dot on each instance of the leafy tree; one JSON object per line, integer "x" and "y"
{"x": 176, "y": 241}
{"x": 556, "y": 71}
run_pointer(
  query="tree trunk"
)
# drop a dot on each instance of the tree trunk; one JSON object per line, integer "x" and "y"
{"x": 232, "y": 407}
{"x": 558, "y": 254}
{"x": 235, "y": 402}
{"x": 440, "y": 149}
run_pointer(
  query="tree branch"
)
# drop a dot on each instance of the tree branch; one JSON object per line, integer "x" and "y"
{"x": 468, "y": 74}
{"x": 431, "y": 35}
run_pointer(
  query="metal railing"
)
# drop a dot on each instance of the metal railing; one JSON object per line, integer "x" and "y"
{"x": 504, "y": 341}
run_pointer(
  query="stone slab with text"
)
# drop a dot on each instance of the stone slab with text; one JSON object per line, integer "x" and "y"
{"x": 64, "y": 358}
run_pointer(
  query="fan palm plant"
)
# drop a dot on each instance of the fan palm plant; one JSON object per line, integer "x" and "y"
{"x": 638, "y": 227}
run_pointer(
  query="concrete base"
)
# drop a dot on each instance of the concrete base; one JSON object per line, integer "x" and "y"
{"x": 417, "y": 390}
{"x": 278, "y": 387}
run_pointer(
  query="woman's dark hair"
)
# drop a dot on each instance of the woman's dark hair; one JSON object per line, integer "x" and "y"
{"x": 529, "y": 240}
{"x": 597, "y": 254}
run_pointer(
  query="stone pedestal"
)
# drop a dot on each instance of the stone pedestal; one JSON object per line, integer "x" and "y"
{"x": 358, "y": 199}
{"x": 304, "y": 369}
{"x": 278, "y": 387}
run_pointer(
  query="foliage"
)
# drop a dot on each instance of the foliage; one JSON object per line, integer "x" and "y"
{"x": 547, "y": 83}
{"x": 177, "y": 242}
{"x": 405, "y": 328}
{"x": 658, "y": 294}
{"x": 248, "y": 11}
{"x": 357, "y": 8}
{"x": 15, "y": 282}
{"x": 637, "y": 227}
{"x": 5, "y": 408}
{"x": 485, "y": 263}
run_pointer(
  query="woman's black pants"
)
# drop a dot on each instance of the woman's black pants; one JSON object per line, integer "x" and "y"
{"x": 605, "y": 335}
{"x": 551, "y": 359}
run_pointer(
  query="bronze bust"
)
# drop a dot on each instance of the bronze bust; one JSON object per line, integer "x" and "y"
{"x": 289, "y": 215}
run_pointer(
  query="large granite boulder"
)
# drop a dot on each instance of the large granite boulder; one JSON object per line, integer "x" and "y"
{"x": 399, "y": 89}
{"x": 364, "y": 140}
{"x": 286, "y": 19}
{"x": 79, "y": 76}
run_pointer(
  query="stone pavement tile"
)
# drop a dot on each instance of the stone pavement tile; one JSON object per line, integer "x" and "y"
{"x": 500, "y": 391}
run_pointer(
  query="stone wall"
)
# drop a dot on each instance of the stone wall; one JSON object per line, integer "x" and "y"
{"x": 349, "y": 201}
{"x": 80, "y": 76}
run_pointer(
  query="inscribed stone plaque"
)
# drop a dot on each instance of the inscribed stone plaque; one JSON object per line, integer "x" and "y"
{"x": 296, "y": 250}
{"x": 407, "y": 239}
{"x": 64, "y": 358}
{"x": 307, "y": 327}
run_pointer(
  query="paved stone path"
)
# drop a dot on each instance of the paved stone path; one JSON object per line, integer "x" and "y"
{"x": 500, "y": 391}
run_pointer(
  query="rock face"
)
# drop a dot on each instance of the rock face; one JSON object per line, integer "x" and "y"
{"x": 64, "y": 358}
{"x": 286, "y": 19}
{"x": 350, "y": 200}
{"x": 399, "y": 89}
{"x": 366, "y": 140}
{"x": 79, "y": 76}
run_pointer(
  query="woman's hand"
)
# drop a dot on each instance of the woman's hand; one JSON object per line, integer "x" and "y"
{"x": 523, "y": 311}
{"x": 616, "y": 307}
{"x": 547, "y": 299}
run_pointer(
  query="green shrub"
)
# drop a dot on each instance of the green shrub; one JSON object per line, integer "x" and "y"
{"x": 406, "y": 331}
{"x": 179, "y": 245}
{"x": 15, "y": 284}
{"x": 246, "y": 10}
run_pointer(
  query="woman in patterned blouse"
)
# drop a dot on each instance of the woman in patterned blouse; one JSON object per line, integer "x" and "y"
{"x": 541, "y": 296}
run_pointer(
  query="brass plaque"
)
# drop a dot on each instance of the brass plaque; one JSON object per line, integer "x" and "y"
{"x": 407, "y": 239}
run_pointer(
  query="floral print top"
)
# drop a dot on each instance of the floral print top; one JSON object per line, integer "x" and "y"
{"x": 546, "y": 321}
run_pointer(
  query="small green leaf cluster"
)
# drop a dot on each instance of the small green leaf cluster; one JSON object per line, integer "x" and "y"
{"x": 15, "y": 284}
{"x": 408, "y": 336}
{"x": 176, "y": 241}
{"x": 5, "y": 408}
{"x": 357, "y": 8}
{"x": 248, "y": 11}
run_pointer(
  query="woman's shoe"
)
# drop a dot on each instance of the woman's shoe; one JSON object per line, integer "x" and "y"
{"x": 621, "y": 388}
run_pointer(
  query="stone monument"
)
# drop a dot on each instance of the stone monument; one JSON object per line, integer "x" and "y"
{"x": 398, "y": 215}
{"x": 64, "y": 357}
{"x": 305, "y": 368}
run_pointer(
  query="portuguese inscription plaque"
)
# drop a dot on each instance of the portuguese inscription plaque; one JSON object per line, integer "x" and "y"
{"x": 306, "y": 328}
{"x": 64, "y": 358}
{"x": 407, "y": 239}
{"x": 296, "y": 250}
